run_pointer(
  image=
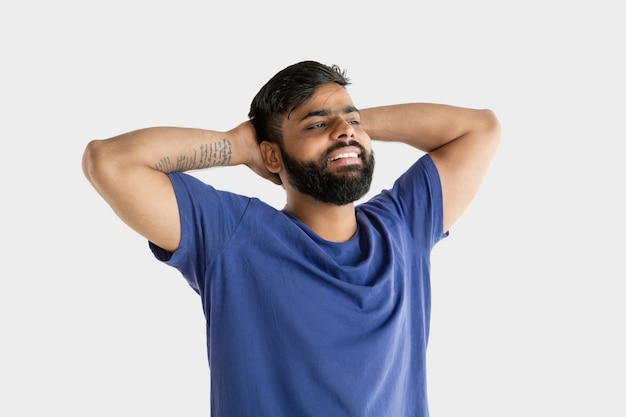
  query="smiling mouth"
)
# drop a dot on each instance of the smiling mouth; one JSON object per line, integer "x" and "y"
{"x": 347, "y": 154}
{"x": 344, "y": 156}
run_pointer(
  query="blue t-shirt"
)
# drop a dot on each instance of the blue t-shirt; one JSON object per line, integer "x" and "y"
{"x": 300, "y": 326}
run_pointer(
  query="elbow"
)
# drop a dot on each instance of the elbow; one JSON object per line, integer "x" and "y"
{"x": 93, "y": 159}
{"x": 491, "y": 126}
{"x": 491, "y": 134}
{"x": 488, "y": 131}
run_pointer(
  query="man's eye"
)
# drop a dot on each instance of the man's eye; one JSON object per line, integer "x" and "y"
{"x": 317, "y": 125}
{"x": 354, "y": 122}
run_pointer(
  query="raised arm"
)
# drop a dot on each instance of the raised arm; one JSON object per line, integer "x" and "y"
{"x": 461, "y": 142}
{"x": 129, "y": 171}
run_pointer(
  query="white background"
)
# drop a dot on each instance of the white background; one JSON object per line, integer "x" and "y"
{"x": 528, "y": 298}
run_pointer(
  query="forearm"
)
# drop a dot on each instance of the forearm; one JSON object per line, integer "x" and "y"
{"x": 167, "y": 149}
{"x": 425, "y": 126}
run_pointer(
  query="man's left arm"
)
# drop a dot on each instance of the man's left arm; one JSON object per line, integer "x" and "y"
{"x": 461, "y": 141}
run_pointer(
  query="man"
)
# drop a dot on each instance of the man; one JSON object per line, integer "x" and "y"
{"x": 322, "y": 308}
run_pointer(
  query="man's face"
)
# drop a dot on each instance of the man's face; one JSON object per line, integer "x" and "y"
{"x": 339, "y": 186}
{"x": 325, "y": 150}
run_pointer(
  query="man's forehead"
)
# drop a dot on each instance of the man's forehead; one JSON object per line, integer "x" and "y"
{"x": 347, "y": 109}
{"x": 328, "y": 99}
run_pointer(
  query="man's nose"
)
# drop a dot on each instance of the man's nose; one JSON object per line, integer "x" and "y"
{"x": 342, "y": 130}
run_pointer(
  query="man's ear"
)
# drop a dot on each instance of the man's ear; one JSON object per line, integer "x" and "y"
{"x": 271, "y": 156}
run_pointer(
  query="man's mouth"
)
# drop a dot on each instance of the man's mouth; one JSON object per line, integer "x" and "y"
{"x": 345, "y": 155}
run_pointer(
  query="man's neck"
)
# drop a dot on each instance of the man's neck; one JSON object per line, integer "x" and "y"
{"x": 330, "y": 222}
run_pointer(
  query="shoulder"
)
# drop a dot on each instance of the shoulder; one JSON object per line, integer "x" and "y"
{"x": 192, "y": 191}
{"x": 418, "y": 184}
{"x": 413, "y": 205}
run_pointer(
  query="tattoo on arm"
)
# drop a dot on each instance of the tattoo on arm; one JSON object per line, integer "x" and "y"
{"x": 210, "y": 155}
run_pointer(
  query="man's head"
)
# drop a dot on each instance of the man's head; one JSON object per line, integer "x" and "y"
{"x": 285, "y": 91}
{"x": 310, "y": 133}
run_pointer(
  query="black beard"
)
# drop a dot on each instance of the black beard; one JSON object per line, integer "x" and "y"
{"x": 314, "y": 179}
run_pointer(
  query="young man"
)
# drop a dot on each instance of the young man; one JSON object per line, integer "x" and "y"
{"x": 321, "y": 308}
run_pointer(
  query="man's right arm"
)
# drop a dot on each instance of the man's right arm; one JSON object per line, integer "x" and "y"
{"x": 129, "y": 171}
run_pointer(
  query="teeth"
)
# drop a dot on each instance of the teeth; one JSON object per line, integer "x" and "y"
{"x": 345, "y": 155}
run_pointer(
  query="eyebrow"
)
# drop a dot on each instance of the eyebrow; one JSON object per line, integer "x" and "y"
{"x": 326, "y": 112}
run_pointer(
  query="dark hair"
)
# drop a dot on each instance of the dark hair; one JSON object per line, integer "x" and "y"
{"x": 285, "y": 91}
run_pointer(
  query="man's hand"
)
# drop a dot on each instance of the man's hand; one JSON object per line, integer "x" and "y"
{"x": 247, "y": 139}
